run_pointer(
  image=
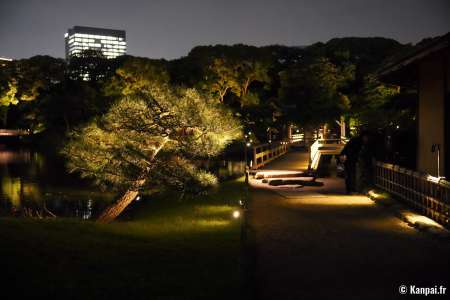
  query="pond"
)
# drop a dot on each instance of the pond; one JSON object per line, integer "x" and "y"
{"x": 36, "y": 184}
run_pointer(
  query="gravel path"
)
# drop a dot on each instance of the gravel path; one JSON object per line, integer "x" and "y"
{"x": 317, "y": 243}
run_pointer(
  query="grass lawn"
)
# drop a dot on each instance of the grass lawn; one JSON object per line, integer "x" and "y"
{"x": 159, "y": 248}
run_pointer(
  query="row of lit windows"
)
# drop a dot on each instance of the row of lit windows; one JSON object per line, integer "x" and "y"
{"x": 103, "y": 50}
{"x": 98, "y": 45}
{"x": 114, "y": 46}
{"x": 93, "y": 45}
{"x": 113, "y": 53}
{"x": 83, "y": 40}
{"x": 94, "y": 36}
{"x": 106, "y": 53}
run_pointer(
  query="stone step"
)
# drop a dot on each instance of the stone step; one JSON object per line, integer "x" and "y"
{"x": 303, "y": 181}
{"x": 280, "y": 174}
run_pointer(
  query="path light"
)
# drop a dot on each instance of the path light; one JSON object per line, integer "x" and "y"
{"x": 433, "y": 178}
{"x": 236, "y": 214}
{"x": 374, "y": 194}
{"x": 417, "y": 219}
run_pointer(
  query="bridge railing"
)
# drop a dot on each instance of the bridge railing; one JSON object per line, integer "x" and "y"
{"x": 428, "y": 194}
{"x": 14, "y": 132}
{"x": 265, "y": 153}
{"x": 325, "y": 147}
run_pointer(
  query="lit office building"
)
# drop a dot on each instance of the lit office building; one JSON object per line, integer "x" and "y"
{"x": 110, "y": 42}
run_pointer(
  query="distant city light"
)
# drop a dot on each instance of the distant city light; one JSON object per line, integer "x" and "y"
{"x": 110, "y": 42}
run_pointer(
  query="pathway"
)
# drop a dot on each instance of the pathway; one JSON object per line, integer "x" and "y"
{"x": 318, "y": 243}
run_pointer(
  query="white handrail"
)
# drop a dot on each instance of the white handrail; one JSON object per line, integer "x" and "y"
{"x": 330, "y": 147}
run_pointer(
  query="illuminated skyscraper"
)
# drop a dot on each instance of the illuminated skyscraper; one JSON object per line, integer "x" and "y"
{"x": 110, "y": 42}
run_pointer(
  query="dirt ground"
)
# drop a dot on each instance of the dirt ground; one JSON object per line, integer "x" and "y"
{"x": 318, "y": 243}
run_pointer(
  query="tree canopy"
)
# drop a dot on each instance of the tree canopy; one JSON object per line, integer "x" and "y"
{"x": 149, "y": 138}
{"x": 265, "y": 87}
{"x": 312, "y": 93}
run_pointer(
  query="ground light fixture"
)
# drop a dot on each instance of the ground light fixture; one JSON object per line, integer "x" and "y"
{"x": 374, "y": 194}
{"x": 236, "y": 214}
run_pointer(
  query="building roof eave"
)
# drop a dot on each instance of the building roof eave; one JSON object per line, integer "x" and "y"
{"x": 412, "y": 58}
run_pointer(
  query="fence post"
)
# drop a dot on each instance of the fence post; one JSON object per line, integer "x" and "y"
{"x": 255, "y": 162}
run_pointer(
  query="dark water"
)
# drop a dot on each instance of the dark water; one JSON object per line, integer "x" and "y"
{"x": 37, "y": 185}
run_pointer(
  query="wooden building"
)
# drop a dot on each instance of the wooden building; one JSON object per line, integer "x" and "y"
{"x": 427, "y": 69}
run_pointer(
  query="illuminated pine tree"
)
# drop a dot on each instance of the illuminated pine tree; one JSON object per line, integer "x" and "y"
{"x": 150, "y": 138}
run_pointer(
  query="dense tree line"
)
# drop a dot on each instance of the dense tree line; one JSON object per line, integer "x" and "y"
{"x": 265, "y": 88}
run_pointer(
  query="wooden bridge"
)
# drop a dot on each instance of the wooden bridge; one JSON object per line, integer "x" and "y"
{"x": 14, "y": 132}
{"x": 265, "y": 153}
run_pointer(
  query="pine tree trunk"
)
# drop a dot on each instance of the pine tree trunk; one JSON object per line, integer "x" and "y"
{"x": 113, "y": 211}
{"x": 118, "y": 207}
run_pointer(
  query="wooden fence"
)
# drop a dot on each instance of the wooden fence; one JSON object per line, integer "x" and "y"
{"x": 426, "y": 193}
{"x": 263, "y": 154}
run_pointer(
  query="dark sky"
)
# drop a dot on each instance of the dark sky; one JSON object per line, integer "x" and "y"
{"x": 170, "y": 28}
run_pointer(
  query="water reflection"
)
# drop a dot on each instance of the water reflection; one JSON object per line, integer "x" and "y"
{"x": 34, "y": 185}
{"x": 37, "y": 185}
{"x": 224, "y": 169}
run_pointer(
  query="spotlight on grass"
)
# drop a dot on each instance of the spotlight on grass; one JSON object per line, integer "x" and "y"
{"x": 236, "y": 214}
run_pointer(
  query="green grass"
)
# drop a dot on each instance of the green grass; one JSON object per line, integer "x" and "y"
{"x": 160, "y": 248}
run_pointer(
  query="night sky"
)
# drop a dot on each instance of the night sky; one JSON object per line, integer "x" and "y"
{"x": 170, "y": 28}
